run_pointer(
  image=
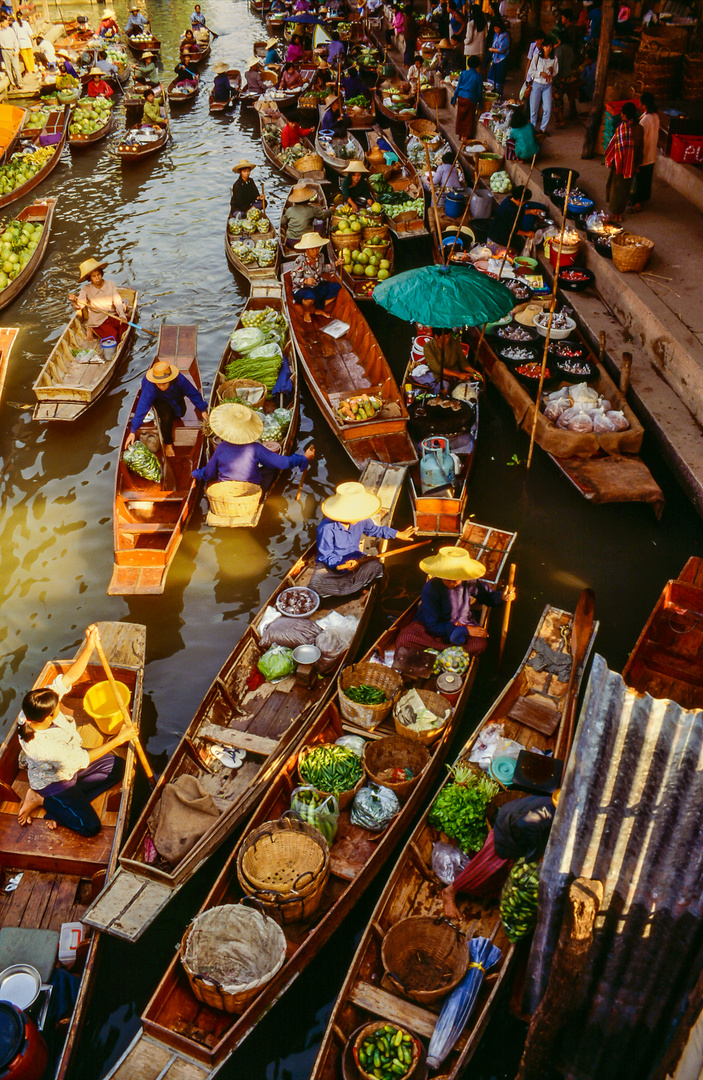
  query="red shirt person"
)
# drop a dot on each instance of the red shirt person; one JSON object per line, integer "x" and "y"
{"x": 97, "y": 87}
{"x": 292, "y": 133}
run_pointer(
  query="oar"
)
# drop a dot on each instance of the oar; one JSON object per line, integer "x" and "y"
{"x": 125, "y": 714}
{"x": 581, "y": 633}
{"x": 125, "y": 321}
{"x": 401, "y": 550}
{"x": 506, "y": 616}
{"x": 210, "y": 31}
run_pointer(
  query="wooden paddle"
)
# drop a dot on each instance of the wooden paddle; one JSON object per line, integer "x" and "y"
{"x": 506, "y": 616}
{"x": 120, "y": 319}
{"x": 210, "y": 31}
{"x": 581, "y": 633}
{"x": 125, "y": 712}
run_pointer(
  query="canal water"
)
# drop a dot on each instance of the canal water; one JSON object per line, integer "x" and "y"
{"x": 161, "y": 226}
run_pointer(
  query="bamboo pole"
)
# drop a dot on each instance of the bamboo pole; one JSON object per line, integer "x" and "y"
{"x": 552, "y": 305}
{"x": 463, "y": 219}
{"x": 434, "y": 202}
{"x": 506, "y": 615}
{"x": 517, "y": 217}
{"x": 125, "y": 713}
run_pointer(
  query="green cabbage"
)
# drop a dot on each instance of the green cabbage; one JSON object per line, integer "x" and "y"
{"x": 276, "y": 663}
{"x": 246, "y": 339}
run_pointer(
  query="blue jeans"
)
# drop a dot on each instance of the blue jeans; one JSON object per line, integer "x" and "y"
{"x": 541, "y": 92}
{"x": 68, "y": 802}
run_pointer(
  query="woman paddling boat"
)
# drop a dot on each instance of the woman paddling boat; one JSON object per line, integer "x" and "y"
{"x": 147, "y": 71}
{"x": 222, "y": 91}
{"x": 239, "y": 455}
{"x": 245, "y": 193}
{"x": 106, "y": 314}
{"x": 310, "y": 288}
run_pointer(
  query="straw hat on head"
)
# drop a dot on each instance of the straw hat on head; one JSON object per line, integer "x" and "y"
{"x": 310, "y": 240}
{"x": 322, "y": 64}
{"x": 95, "y": 71}
{"x": 445, "y": 44}
{"x": 453, "y": 564}
{"x": 220, "y": 68}
{"x": 351, "y": 502}
{"x": 272, "y": 43}
{"x": 108, "y": 13}
{"x": 236, "y": 424}
{"x": 301, "y": 193}
{"x": 253, "y": 62}
{"x": 86, "y": 268}
{"x": 356, "y": 166}
{"x": 162, "y": 371}
{"x": 147, "y": 56}
{"x": 134, "y": 7}
{"x": 243, "y": 164}
{"x": 332, "y": 98}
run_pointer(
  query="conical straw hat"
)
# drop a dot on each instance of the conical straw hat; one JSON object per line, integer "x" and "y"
{"x": 453, "y": 564}
{"x": 236, "y": 424}
{"x": 351, "y": 502}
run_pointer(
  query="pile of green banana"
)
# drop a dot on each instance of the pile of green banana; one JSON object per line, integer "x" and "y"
{"x": 518, "y": 902}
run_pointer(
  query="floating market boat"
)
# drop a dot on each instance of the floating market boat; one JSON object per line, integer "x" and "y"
{"x": 322, "y": 227}
{"x": 37, "y": 214}
{"x": 141, "y": 142}
{"x": 68, "y": 382}
{"x": 77, "y": 140}
{"x": 234, "y": 78}
{"x": 141, "y": 43}
{"x": 299, "y": 162}
{"x": 327, "y": 145}
{"x": 178, "y": 1021}
{"x": 49, "y": 141}
{"x": 187, "y": 93}
{"x": 59, "y": 870}
{"x": 266, "y": 723}
{"x": 362, "y": 118}
{"x": 394, "y": 104}
{"x": 369, "y": 992}
{"x": 12, "y": 121}
{"x": 349, "y": 366}
{"x": 8, "y": 336}
{"x": 241, "y": 249}
{"x": 402, "y": 179}
{"x": 362, "y": 287}
{"x": 150, "y": 517}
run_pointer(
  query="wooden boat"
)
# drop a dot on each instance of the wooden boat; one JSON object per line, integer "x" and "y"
{"x": 337, "y": 368}
{"x": 402, "y": 177}
{"x": 175, "y": 1019}
{"x": 150, "y": 518}
{"x": 204, "y": 55}
{"x": 65, "y": 388}
{"x": 251, "y": 271}
{"x": 56, "y": 127}
{"x": 235, "y": 82}
{"x": 177, "y": 97}
{"x": 8, "y": 336}
{"x": 264, "y": 294}
{"x": 152, "y": 45}
{"x": 602, "y": 468}
{"x": 412, "y": 889}
{"x": 362, "y": 119}
{"x": 397, "y": 116}
{"x": 129, "y": 152}
{"x": 361, "y": 288}
{"x": 12, "y": 120}
{"x": 60, "y": 869}
{"x": 325, "y": 147}
{"x": 39, "y": 212}
{"x": 666, "y": 661}
{"x": 79, "y": 142}
{"x": 322, "y": 227}
{"x": 309, "y": 167}
{"x": 116, "y": 82}
{"x": 267, "y": 723}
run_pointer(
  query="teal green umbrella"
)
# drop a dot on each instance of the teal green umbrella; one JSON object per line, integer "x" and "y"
{"x": 445, "y": 296}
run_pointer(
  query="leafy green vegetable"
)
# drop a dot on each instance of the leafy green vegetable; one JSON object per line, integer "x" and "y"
{"x": 459, "y": 810}
{"x": 139, "y": 459}
{"x": 366, "y": 695}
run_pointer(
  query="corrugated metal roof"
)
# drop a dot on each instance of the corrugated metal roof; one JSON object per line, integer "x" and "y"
{"x": 631, "y": 816}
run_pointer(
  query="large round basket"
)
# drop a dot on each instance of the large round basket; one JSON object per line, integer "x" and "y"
{"x": 435, "y": 97}
{"x": 438, "y": 704}
{"x": 309, "y": 163}
{"x": 487, "y": 164}
{"x": 395, "y": 752}
{"x": 350, "y": 240}
{"x": 425, "y": 957}
{"x": 631, "y": 252}
{"x": 422, "y": 127}
{"x": 234, "y": 498}
{"x": 367, "y": 674}
{"x": 370, "y": 232}
{"x": 343, "y": 797}
{"x": 284, "y": 865}
{"x": 230, "y": 953}
{"x": 249, "y": 390}
{"x": 370, "y": 1029}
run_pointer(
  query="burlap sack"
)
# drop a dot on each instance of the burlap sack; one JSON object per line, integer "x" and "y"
{"x": 183, "y": 814}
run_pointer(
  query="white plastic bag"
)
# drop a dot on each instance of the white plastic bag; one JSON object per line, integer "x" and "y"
{"x": 448, "y": 861}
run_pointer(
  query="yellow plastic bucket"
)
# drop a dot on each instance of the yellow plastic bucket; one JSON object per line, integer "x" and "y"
{"x": 100, "y": 703}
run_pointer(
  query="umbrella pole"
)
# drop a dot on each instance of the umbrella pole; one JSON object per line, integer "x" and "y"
{"x": 552, "y": 305}
{"x": 517, "y": 217}
{"x": 434, "y": 203}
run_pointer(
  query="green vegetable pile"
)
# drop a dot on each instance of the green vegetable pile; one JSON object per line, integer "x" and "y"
{"x": 459, "y": 810}
{"x": 139, "y": 459}
{"x": 387, "y": 1054}
{"x": 18, "y": 243}
{"x": 320, "y": 811}
{"x": 518, "y": 902}
{"x": 22, "y": 167}
{"x": 263, "y": 369}
{"x": 359, "y": 102}
{"x": 330, "y": 768}
{"x": 366, "y": 695}
{"x": 395, "y": 202}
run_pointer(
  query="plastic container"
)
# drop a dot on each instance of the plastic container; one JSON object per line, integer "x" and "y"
{"x": 449, "y": 685}
{"x": 480, "y": 204}
{"x": 568, "y": 256}
{"x": 72, "y": 935}
{"x": 100, "y": 704}
{"x": 684, "y": 148}
{"x": 454, "y": 203}
{"x": 109, "y": 347}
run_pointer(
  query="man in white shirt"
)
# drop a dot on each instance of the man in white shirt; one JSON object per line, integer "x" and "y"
{"x": 23, "y": 32}
{"x": 10, "y": 49}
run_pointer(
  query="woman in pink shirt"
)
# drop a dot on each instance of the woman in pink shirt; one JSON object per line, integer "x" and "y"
{"x": 649, "y": 122}
{"x": 295, "y": 51}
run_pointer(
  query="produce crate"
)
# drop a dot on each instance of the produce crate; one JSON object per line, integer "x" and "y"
{"x": 680, "y": 144}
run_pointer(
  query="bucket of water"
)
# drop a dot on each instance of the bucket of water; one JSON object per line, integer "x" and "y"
{"x": 109, "y": 347}
{"x": 454, "y": 203}
{"x": 101, "y": 704}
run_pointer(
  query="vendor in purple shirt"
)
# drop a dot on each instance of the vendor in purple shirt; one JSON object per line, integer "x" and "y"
{"x": 165, "y": 389}
{"x": 239, "y": 456}
{"x": 342, "y": 569}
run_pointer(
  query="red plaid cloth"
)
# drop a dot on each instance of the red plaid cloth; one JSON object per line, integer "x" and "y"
{"x": 485, "y": 873}
{"x": 414, "y": 637}
{"x": 620, "y": 154}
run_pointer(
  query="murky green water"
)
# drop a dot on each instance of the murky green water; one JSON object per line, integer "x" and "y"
{"x": 161, "y": 226}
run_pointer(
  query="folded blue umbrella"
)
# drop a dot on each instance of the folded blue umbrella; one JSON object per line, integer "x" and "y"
{"x": 457, "y": 1008}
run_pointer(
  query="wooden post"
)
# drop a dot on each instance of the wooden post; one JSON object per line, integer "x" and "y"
{"x": 625, "y": 371}
{"x": 601, "y": 347}
{"x": 563, "y": 995}
{"x": 604, "y": 46}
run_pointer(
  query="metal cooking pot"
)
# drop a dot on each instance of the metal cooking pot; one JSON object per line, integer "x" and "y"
{"x": 21, "y": 985}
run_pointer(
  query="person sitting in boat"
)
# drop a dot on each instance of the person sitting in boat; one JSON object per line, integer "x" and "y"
{"x": 310, "y": 287}
{"x": 354, "y": 185}
{"x": 108, "y": 27}
{"x": 239, "y": 455}
{"x": 505, "y": 217}
{"x": 222, "y": 90}
{"x": 334, "y": 119}
{"x": 342, "y": 569}
{"x": 445, "y": 614}
{"x": 322, "y": 77}
{"x": 445, "y": 175}
{"x": 353, "y": 86}
{"x": 197, "y": 19}
{"x": 136, "y": 23}
{"x": 152, "y": 111}
{"x": 256, "y": 84}
{"x": 63, "y": 775}
{"x": 299, "y": 217}
{"x": 101, "y": 301}
{"x": 272, "y": 54}
{"x": 186, "y": 77}
{"x": 335, "y": 50}
{"x": 189, "y": 49}
{"x": 292, "y": 133}
{"x": 67, "y": 76}
{"x": 147, "y": 71}
{"x": 295, "y": 53}
{"x": 245, "y": 193}
{"x": 106, "y": 66}
{"x": 278, "y": 7}
{"x": 290, "y": 78}
{"x": 165, "y": 389}
{"x": 97, "y": 87}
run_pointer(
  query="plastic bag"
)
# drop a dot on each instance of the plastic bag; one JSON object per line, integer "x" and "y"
{"x": 448, "y": 861}
{"x": 602, "y": 423}
{"x": 583, "y": 394}
{"x": 139, "y": 459}
{"x": 320, "y": 811}
{"x": 247, "y": 338}
{"x": 289, "y": 632}
{"x": 452, "y": 659}
{"x": 276, "y": 663}
{"x": 618, "y": 419}
{"x": 352, "y": 742}
{"x": 575, "y": 419}
{"x": 518, "y": 900}
{"x": 332, "y": 644}
{"x": 374, "y": 807}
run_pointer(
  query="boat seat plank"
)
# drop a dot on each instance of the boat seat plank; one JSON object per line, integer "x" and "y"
{"x": 240, "y": 740}
{"x": 52, "y": 849}
{"x": 392, "y": 1009}
{"x": 153, "y": 496}
{"x": 128, "y": 901}
{"x": 671, "y": 664}
{"x": 147, "y": 1059}
{"x": 274, "y": 718}
{"x": 146, "y": 527}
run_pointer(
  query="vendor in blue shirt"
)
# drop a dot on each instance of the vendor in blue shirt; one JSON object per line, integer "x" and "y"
{"x": 136, "y": 23}
{"x": 197, "y": 19}
{"x": 467, "y": 97}
{"x": 272, "y": 54}
{"x": 240, "y": 456}
{"x": 342, "y": 569}
{"x": 165, "y": 389}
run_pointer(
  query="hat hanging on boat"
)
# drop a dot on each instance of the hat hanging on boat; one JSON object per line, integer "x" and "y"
{"x": 236, "y": 424}
{"x": 95, "y": 71}
{"x": 253, "y": 62}
{"x": 243, "y": 164}
{"x": 86, "y": 268}
{"x": 272, "y": 43}
{"x": 351, "y": 502}
{"x": 220, "y": 68}
{"x": 162, "y": 371}
{"x": 356, "y": 166}
{"x": 310, "y": 240}
{"x": 301, "y": 193}
{"x": 453, "y": 564}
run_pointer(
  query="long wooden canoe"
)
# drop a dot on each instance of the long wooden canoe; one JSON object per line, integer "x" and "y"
{"x": 403, "y": 177}
{"x": 78, "y": 142}
{"x": 8, "y": 336}
{"x": 336, "y": 368}
{"x": 267, "y": 723}
{"x": 265, "y": 294}
{"x": 12, "y": 120}
{"x": 271, "y": 122}
{"x": 129, "y": 152}
{"x": 150, "y": 518}
{"x": 178, "y": 97}
{"x": 397, "y": 116}
{"x": 174, "y": 1018}
{"x": 65, "y": 388}
{"x": 60, "y": 869}
{"x": 235, "y": 81}
{"x": 251, "y": 271}
{"x": 39, "y": 212}
{"x": 368, "y": 994}
{"x": 56, "y": 126}
{"x": 322, "y": 227}
{"x": 139, "y": 47}
{"x": 326, "y": 146}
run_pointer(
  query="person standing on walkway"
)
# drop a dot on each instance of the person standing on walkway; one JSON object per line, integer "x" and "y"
{"x": 499, "y": 50}
{"x": 467, "y": 97}
{"x": 475, "y": 39}
{"x": 623, "y": 156}
{"x": 543, "y": 69}
{"x": 649, "y": 122}
{"x": 410, "y": 33}
{"x": 10, "y": 49}
{"x": 23, "y": 32}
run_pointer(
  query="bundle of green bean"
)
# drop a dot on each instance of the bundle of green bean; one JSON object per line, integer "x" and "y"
{"x": 387, "y": 1053}
{"x": 518, "y": 902}
{"x": 366, "y": 695}
{"x": 330, "y": 768}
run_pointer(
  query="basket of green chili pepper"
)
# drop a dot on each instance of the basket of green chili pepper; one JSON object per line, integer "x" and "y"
{"x": 332, "y": 770}
{"x": 367, "y": 693}
{"x": 385, "y": 1052}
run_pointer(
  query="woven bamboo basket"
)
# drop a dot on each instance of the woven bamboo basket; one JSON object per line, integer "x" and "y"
{"x": 234, "y": 499}
{"x": 349, "y": 240}
{"x": 285, "y": 865}
{"x": 631, "y": 252}
{"x": 378, "y": 675}
{"x": 343, "y": 797}
{"x": 425, "y": 957}
{"x": 309, "y": 163}
{"x": 438, "y": 704}
{"x": 369, "y": 232}
{"x": 233, "y": 387}
{"x": 370, "y": 1029}
{"x": 396, "y": 752}
{"x": 422, "y": 127}
{"x": 487, "y": 164}
{"x": 435, "y": 97}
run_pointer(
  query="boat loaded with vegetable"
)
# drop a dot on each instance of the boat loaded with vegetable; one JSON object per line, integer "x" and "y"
{"x": 251, "y": 246}
{"x": 23, "y": 244}
{"x": 299, "y": 162}
{"x": 359, "y": 779}
{"x": 25, "y": 169}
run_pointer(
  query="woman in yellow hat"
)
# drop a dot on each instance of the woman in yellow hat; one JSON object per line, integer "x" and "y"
{"x": 342, "y": 569}
{"x": 335, "y": 119}
{"x": 355, "y": 187}
{"x": 101, "y": 302}
{"x": 245, "y": 193}
{"x": 446, "y": 615}
{"x": 147, "y": 71}
{"x": 310, "y": 288}
{"x": 97, "y": 87}
{"x": 239, "y": 455}
{"x": 108, "y": 27}
{"x": 165, "y": 389}
{"x": 272, "y": 54}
